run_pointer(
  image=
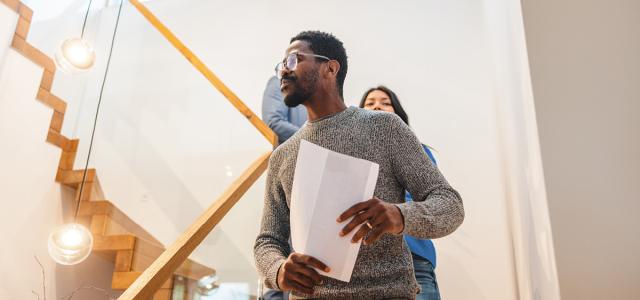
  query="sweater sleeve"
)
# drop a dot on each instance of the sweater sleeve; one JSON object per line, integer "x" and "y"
{"x": 271, "y": 247}
{"x": 437, "y": 208}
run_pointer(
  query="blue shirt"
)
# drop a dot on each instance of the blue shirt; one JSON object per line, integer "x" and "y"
{"x": 423, "y": 248}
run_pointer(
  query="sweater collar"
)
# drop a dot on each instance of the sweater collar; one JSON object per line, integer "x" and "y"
{"x": 337, "y": 117}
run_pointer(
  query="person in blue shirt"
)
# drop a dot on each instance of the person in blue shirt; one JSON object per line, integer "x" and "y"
{"x": 423, "y": 251}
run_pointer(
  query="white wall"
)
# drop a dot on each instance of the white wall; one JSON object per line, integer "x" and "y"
{"x": 585, "y": 69}
{"x": 521, "y": 158}
{"x": 7, "y": 28}
{"x": 32, "y": 202}
{"x": 167, "y": 143}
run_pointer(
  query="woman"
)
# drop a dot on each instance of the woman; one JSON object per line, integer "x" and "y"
{"x": 423, "y": 252}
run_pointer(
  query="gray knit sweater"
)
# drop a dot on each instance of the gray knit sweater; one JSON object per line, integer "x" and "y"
{"x": 384, "y": 269}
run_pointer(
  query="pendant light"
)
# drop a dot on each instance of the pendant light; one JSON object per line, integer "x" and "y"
{"x": 71, "y": 243}
{"x": 208, "y": 285}
{"x": 75, "y": 55}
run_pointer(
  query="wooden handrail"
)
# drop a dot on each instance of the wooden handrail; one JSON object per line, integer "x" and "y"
{"x": 166, "y": 264}
{"x": 198, "y": 64}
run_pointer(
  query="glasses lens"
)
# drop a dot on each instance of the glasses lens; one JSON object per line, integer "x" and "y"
{"x": 292, "y": 61}
{"x": 279, "y": 69}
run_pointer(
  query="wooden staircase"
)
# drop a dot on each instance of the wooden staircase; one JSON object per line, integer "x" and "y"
{"x": 116, "y": 237}
{"x": 120, "y": 239}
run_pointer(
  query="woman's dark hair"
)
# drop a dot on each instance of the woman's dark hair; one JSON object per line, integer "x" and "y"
{"x": 395, "y": 103}
{"x": 397, "y": 107}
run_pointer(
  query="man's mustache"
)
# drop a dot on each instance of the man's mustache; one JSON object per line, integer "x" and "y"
{"x": 288, "y": 77}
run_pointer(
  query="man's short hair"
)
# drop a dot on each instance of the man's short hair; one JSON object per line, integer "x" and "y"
{"x": 327, "y": 44}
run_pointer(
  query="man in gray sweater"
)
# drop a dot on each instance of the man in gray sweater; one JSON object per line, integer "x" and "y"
{"x": 313, "y": 74}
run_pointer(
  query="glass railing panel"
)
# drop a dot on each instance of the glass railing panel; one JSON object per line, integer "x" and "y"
{"x": 168, "y": 144}
{"x": 228, "y": 252}
{"x": 164, "y": 142}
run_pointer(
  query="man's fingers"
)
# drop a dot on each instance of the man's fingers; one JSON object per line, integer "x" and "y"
{"x": 355, "y": 209}
{"x": 374, "y": 235}
{"x": 310, "y": 261}
{"x": 301, "y": 279}
{"x": 357, "y": 220}
{"x": 362, "y": 232}
{"x": 298, "y": 287}
{"x": 390, "y": 219}
{"x": 311, "y": 274}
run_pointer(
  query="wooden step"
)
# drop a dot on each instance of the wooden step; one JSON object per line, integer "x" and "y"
{"x": 105, "y": 220}
{"x": 118, "y": 222}
{"x": 90, "y": 208}
{"x": 48, "y": 98}
{"x": 114, "y": 242}
{"x": 64, "y": 143}
{"x": 73, "y": 178}
{"x": 39, "y": 58}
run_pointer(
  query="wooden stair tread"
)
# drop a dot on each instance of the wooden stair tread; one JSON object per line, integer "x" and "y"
{"x": 56, "y": 138}
{"x": 90, "y": 208}
{"x": 74, "y": 177}
{"x": 114, "y": 242}
{"x": 107, "y": 208}
{"x": 145, "y": 251}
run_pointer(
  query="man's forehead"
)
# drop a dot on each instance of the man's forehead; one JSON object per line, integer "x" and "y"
{"x": 299, "y": 46}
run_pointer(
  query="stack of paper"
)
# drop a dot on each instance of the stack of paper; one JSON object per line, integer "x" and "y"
{"x": 325, "y": 184}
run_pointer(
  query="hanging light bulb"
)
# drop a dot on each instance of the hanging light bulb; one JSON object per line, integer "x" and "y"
{"x": 70, "y": 244}
{"x": 208, "y": 285}
{"x": 75, "y": 55}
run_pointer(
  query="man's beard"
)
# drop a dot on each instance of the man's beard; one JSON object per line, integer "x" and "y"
{"x": 296, "y": 98}
{"x": 301, "y": 93}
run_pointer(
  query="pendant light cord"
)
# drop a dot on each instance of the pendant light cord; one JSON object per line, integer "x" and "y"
{"x": 95, "y": 120}
{"x": 86, "y": 16}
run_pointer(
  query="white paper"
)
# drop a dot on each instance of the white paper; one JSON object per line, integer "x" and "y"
{"x": 325, "y": 184}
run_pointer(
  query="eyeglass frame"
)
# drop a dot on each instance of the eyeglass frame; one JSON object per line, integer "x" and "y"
{"x": 281, "y": 66}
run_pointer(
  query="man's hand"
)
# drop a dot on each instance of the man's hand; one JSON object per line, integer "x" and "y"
{"x": 375, "y": 218}
{"x": 297, "y": 273}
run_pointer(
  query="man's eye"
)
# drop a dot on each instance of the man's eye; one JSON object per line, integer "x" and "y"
{"x": 368, "y": 104}
{"x": 387, "y": 103}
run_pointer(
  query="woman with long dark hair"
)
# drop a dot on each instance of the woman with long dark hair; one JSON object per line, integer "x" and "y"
{"x": 423, "y": 251}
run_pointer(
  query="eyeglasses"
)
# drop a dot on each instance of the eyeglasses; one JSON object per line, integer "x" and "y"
{"x": 291, "y": 62}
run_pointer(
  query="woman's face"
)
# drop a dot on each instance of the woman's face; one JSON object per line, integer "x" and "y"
{"x": 378, "y": 100}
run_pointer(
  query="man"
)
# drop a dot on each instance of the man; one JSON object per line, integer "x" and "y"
{"x": 313, "y": 75}
{"x": 283, "y": 120}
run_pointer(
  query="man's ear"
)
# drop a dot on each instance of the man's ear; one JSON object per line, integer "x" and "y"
{"x": 334, "y": 67}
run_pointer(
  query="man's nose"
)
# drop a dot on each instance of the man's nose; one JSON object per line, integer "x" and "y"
{"x": 285, "y": 72}
{"x": 377, "y": 107}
